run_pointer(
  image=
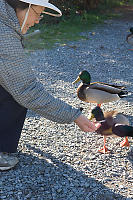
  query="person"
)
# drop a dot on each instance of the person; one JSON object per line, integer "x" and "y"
{"x": 19, "y": 87}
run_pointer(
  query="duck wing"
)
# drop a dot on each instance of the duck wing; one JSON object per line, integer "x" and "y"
{"x": 113, "y": 85}
{"x": 122, "y": 130}
{"x": 107, "y": 88}
{"x": 121, "y": 119}
{"x": 110, "y": 113}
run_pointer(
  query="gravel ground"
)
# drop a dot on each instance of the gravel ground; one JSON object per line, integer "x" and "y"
{"x": 60, "y": 162}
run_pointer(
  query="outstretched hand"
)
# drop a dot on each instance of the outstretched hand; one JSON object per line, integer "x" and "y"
{"x": 85, "y": 124}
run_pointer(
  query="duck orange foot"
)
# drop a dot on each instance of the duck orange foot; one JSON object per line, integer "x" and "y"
{"x": 99, "y": 104}
{"x": 104, "y": 150}
{"x": 125, "y": 143}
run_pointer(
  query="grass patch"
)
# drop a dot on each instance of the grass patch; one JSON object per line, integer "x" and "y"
{"x": 66, "y": 30}
{"x": 69, "y": 28}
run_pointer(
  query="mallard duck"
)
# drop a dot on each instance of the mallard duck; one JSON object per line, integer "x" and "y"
{"x": 98, "y": 92}
{"x": 129, "y": 37}
{"x": 111, "y": 123}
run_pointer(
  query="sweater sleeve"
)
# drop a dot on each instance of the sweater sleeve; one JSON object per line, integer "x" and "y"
{"x": 18, "y": 78}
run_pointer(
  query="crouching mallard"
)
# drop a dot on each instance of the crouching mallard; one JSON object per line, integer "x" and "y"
{"x": 112, "y": 124}
{"x": 98, "y": 92}
{"x": 129, "y": 37}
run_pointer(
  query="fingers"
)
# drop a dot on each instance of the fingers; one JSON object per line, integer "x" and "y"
{"x": 87, "y": 129}
{"x": 90, "y": 127}
{"x": 86, "y": 125}
{"x": 97, "y": 125}
{"x": 93, "y": 126}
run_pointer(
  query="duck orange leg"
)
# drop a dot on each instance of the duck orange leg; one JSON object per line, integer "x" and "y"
{"x": 99, "y": 104}
{"x": 125, "y": 143}
{"x": 104, "y": 149}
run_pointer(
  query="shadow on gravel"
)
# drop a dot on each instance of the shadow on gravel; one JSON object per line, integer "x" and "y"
{"x": 45, "y": 177}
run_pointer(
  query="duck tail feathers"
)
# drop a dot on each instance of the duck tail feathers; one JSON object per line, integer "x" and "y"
{"x": 119, "y": 86}
{"x": 124, "y": 93}
{"x": 122, "y": 130}
{"x": 110, "y": 113}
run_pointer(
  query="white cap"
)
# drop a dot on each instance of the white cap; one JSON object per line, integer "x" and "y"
{"x": 46, "y": 4}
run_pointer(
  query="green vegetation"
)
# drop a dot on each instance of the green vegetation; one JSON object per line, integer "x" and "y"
{"x": 61, "y": 33}
{"x": 55, "y": 31}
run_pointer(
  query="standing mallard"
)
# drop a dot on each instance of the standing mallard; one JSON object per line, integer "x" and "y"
{"x": 129, "y": 37}
{"x": 98, "y": 92}
{"x": 111, "y": 125}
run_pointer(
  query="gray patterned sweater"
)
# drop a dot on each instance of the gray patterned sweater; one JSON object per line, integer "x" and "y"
{"x": 18, "y": 78}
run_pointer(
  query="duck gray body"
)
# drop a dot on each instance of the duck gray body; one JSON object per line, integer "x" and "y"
{"x": 111, "y": 122}
{"x": 99, "y": 93}
{"x": 108, "y": 120}
{"x": 121, "y": 119}
{"x": 111, "y": 125}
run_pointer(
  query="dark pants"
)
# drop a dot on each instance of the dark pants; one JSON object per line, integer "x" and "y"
{"x": 12, "y": 116}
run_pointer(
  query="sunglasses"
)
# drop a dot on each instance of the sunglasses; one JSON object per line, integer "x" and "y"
{"x": 38, "y": 14}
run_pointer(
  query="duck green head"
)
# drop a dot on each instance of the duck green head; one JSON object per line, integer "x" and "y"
{"x": 97, "y": 113}
{"x": 84, "y": 76}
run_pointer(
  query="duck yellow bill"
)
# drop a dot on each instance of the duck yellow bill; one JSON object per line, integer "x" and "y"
{"x": 77, "y": 80}
{"x": 91, "y": 117}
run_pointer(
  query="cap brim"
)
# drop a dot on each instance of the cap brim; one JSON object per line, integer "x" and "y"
{"x": 45, "y": 4}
